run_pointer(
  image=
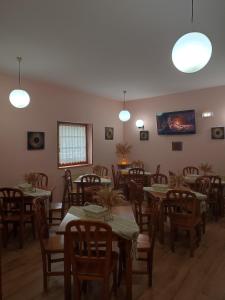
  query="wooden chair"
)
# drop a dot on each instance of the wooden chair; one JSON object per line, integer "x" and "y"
{"x": 93, "y": 258}
{"x": 12, "y": 211}
{"x": 158, "y": 178}
{"x": 184, "y": 213}
{"x": 142, "y": 212}
{"x": 50, "y": 245}
{"x": 100, "y": 171}
{"x": 215, "y": 199}
{"x": 90, "y": 184}
{"x": 137, "y": 175}
{"x": 190, "y": 170}
{"x": 203, "y": 186}
{"x": 144, "y": 245}
{"x": 137, "y": 164}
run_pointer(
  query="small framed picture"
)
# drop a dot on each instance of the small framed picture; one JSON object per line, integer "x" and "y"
{"x": 177, "y": 146}
{"x": 35, "y": 140}
{"x": 109, "y": 133}
{"x": 144, "y": 135}
{"x": 217, "y": 133}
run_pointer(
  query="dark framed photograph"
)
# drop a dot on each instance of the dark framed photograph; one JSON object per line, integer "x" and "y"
{"x": 144, "y": 135}
{"x": 109, "y": 133}
{"x": 217, "y": 133}
{"x": 177, "y": 146}
{"x": 35, "y": 140}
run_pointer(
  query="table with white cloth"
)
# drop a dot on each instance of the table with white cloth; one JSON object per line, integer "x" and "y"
{"x": 124, "y": 229}
{"x": 161, "y": 195}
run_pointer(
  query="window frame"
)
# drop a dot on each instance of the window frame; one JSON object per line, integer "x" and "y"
{"x": 89, "y": 143}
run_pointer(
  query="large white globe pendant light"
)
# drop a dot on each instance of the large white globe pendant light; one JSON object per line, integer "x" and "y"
{"x": 124, "y": 114}
{"x": 192, "y": 51}
{"x": 19, "y": 97}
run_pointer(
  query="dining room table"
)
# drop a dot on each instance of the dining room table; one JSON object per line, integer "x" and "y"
{"x": 104, "y": 181}
{"x": 125, "y": 231}
{"x": 159, "y": 192}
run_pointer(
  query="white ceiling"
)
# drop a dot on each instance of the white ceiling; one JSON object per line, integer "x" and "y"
{"x": 105, "y": 46}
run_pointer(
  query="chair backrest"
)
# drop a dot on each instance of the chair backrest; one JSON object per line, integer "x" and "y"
{"x": 68, "y": 179}
{"x": 158, "y": 178}
{"x": 182, "y": 203}
{"x": 41, "y": 220}
{"x": 116, "y": 177}
{"x": 136, "y": 196}
{"x": 41, "y": 180}
{"x": 89, "y": 243}
{"x": 11, "y": 203}
{"x": 90, "y": 184}
{"x": 136, "y": 171}
{"x": 203, "y": 185}
{"x": 216, "y": 186}
{"x": 101, "y": 171}
{"x": 190, "y": 170}
{"x": 157, "y": 169}
{"x": 137, "y": 164}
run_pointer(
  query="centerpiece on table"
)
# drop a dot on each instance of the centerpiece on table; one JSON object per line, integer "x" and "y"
{"x": 176, "y": 180}
{"x": 107, "y": 197}
{"x": 123, "y": 151}
{"x": 206, "y": 168}
{"x": 31, "y": 179}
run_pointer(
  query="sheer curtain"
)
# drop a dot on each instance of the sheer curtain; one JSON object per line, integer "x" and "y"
{"x": 72, "y": 144}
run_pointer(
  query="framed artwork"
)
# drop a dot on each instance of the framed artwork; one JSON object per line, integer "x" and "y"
{"x": 144, "y": 135}
{"x": 217, "y": 133}
{"x": 109, "y": 133}
{"x": 177, "y": 146}
{"x": 35, "y": 140}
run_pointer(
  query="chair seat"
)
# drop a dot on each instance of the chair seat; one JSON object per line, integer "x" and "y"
{"x": 54, "y": 244}
{"x": 55, "y": 206}
{"x": 17, "y": 218}
{"x": 182, "y": 221}
{"x": 96, "y": 268}
{"x": 143, "y": 242}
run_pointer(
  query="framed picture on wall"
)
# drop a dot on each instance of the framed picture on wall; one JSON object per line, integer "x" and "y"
{"x": 35, "y": 140}
{"x": 217, "y": 133}
{"x": 109, "y": 133}
{"x": 144, "y": 135}
{"x": 177, "y": 146}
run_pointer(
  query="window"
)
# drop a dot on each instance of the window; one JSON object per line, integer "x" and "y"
{"x": 74, "y": 144}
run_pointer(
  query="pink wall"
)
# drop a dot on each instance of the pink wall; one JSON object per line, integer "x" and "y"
{"x": 197, "y": 148}
{"x": 50, "y": 103}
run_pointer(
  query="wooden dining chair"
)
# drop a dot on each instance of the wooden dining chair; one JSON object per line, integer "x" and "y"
{"x": 215, "y": 199}
{"x": 89, "y": 247}
{"x": 203, "y": 186}
{"x": 145, "y": 244}
{"x": 190, "y": 170}
{"x": 13, "y": 212}
{"x": 137, "y": 164}
{"x": 100, "y": 171}
{"x": 90, "y": 184}
{"x": 158, "y": 179}
{"x": 184, "y": 213}
{"x": 51, "y": 245}
{"x": 142, "y": 211}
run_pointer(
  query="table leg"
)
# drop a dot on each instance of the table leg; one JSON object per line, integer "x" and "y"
{"x": 67, "y": 275}
{"x": 161, "y": 224}
{"x": 128, "y": 270}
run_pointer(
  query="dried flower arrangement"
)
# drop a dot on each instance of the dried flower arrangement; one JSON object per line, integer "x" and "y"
{"x": 122, "y": 151}
{"x": 108, "y": 197}
{"x": 176, "y": 180}
{"x": 205, "y": 168}
{"x": 30, "y": 178}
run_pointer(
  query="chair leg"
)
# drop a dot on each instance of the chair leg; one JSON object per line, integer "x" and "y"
{"x": 203, "y": 222}
{"x": 115, "y": 279}
{"x": 33, "y": 227}
{"x": 50, "y": 217}
{"x": 172, "y": 237}
{"x": 45, "y": 279}
{"x": 77, "y": 289}
{"x": 5, "y": 234}
{"x": 21, "y": 234}
{"x": 149, "y": 269}
{"x": 49, "y": 262}
{"x": 105, "y": 290}
{"x": 191, "y": 242}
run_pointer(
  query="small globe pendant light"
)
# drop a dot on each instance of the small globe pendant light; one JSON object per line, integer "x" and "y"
{"x": 19, "y": 97}
{"x": 192, "y": 51}
{"x": 124, "y": 114}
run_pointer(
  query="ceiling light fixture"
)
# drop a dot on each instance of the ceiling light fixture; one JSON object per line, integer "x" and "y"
{"x": 124, "y": 114}
{"x": 140, "y": 124}
{"x": 192, "y": 51}
{"x": 19, "y": 97}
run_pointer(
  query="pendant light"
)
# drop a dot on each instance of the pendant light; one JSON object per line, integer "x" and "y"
{"x": 124, "y": 114}
{"x": 192, "y": 51}
{"x": 19, "y": 97}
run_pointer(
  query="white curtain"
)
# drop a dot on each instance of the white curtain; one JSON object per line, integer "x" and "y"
{"x": 72, "y": 144}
